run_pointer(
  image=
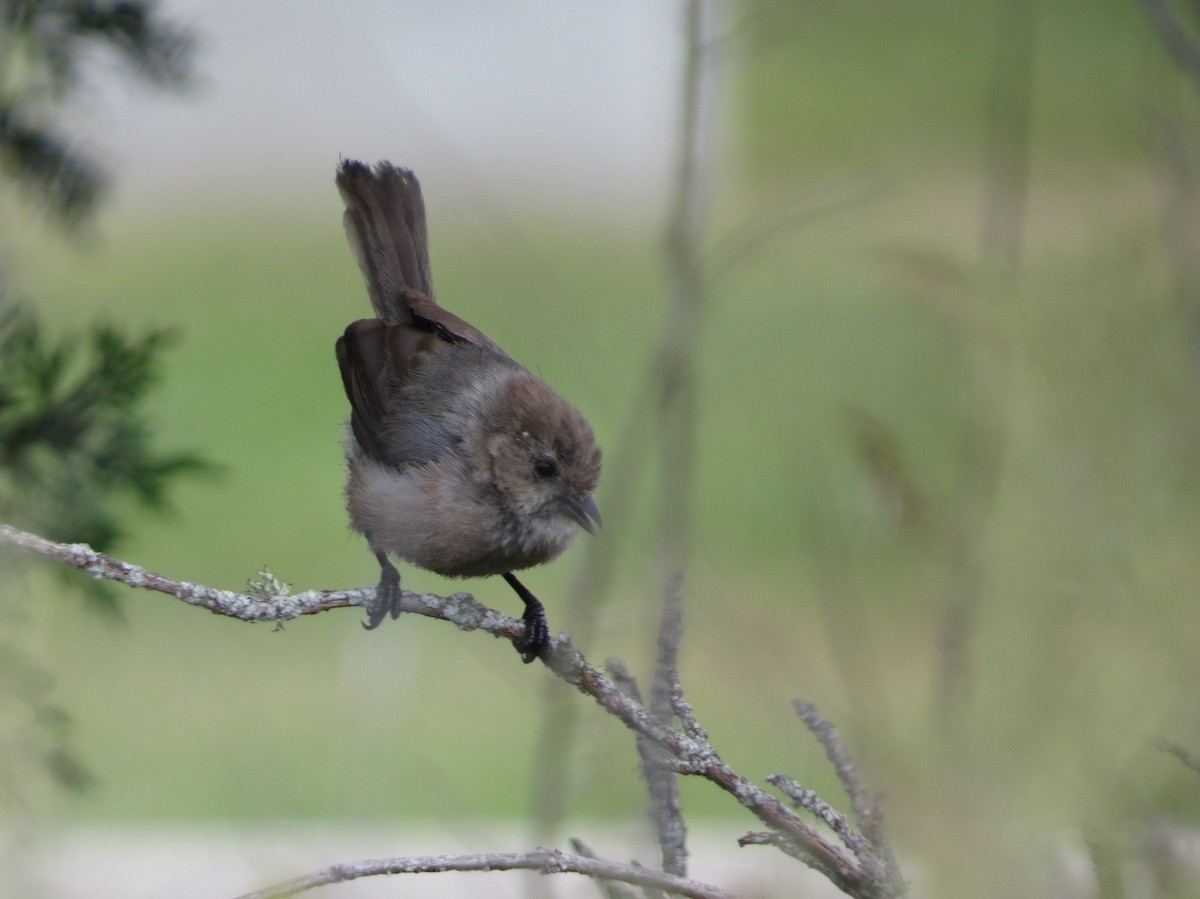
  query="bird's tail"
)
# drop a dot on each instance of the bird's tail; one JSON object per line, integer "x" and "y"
{"x": 385, "y": 223}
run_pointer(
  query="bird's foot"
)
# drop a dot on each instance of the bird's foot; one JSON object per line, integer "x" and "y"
{"x": 537, "y": 633}
{"x": 387, "y": 595}
{"x": 536, "y": 638}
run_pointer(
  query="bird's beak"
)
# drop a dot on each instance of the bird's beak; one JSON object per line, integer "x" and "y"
{"x": 583, "y": 510}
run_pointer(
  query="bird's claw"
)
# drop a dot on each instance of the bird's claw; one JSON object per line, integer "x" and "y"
{"x": 386, "y": 600}
{"x": 536, "y": 638}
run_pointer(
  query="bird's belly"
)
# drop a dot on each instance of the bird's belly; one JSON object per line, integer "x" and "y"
{"x": 428, "y": 517}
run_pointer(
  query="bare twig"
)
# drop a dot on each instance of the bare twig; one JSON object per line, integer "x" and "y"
{"x": 1190, "y": 759}
{"x": 783, "y": 218}
{"x": 1175, "y": 38}
{"x": 1105, "y": 855}
{"x": 686, "y": 291}
{"x": 623, "y": 678}
{"x": 1008, "y": 138}
{"x": 547, "y": 861}
{"x": 1174, "y": 133}
{"x": 771, "y": 838}
{"x": 609, "y": 888}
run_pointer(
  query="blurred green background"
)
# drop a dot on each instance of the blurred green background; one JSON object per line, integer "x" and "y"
{"x": 949, "y": 498}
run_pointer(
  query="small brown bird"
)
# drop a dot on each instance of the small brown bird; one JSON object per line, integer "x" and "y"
{"x": 459, "y": 460}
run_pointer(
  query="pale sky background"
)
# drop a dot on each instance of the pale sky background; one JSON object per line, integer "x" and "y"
{"x": 571, "y": 101}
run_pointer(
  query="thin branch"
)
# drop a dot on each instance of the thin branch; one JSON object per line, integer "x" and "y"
{"x": 699, "y": 758}
{"x": 772, "y": 838}
{"x": 627, "y": 684}
{"x": 684, "y": 713}
{"x": 670, "y": 636}
{"x": 872, "y": 849}
{"x": 785, "y": 217}
{"x": 691, "y": 755}
{"x": 822, "y": 810}
{"x": 623, "y": 678}
{"x": 661, "y": 772}
{"x": 881, "y": 866}
{"x": 461, "y": 609}
{"x": 547, "y": 861}
{"x": 610, "y": 888}
{"x": 1190, "y": 759}
{"x": 686, "y": 291}
{"x": 662, "y": 782}
{"x": 839, "y": 756}
{"x": 1105, "y": 857}
{"x": 1180, "y": 201}
{"x": 677, "y": 404}
{"x": 1175, "y": 37}
{"x": 1007, "y": 171}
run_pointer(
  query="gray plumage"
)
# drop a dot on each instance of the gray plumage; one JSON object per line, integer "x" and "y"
{"x": 459, "y": 459}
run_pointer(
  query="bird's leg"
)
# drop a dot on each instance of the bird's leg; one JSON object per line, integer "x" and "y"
{"x": 537, "y": 629}
{"x": 387, "y": 594}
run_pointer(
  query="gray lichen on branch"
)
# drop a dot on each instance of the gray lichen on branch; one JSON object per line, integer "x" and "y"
{"x": 688, "y": 749}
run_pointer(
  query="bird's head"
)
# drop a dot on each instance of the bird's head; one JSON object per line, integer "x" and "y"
{"x": 543, "y": 457}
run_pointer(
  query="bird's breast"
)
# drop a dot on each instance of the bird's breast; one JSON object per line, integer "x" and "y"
{"x": 437, "y": 518}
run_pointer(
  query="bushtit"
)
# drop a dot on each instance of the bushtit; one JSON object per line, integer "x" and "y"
{"x": 459, "y": 460}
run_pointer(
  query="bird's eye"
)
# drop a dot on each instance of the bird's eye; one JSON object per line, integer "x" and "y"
{"x": 545, "y": 467}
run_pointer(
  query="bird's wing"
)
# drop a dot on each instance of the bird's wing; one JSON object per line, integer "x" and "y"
{"x": 362, "y": 360}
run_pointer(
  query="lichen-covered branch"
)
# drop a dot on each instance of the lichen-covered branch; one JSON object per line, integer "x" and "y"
{"x": 547, "y": 861}
{"x": 869, "y": 844}
{"x": 839, "y": 756}
{"x": 662, "y": 781}
{"x": 687, "y": 749}
{"x": 258, "y": 605}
